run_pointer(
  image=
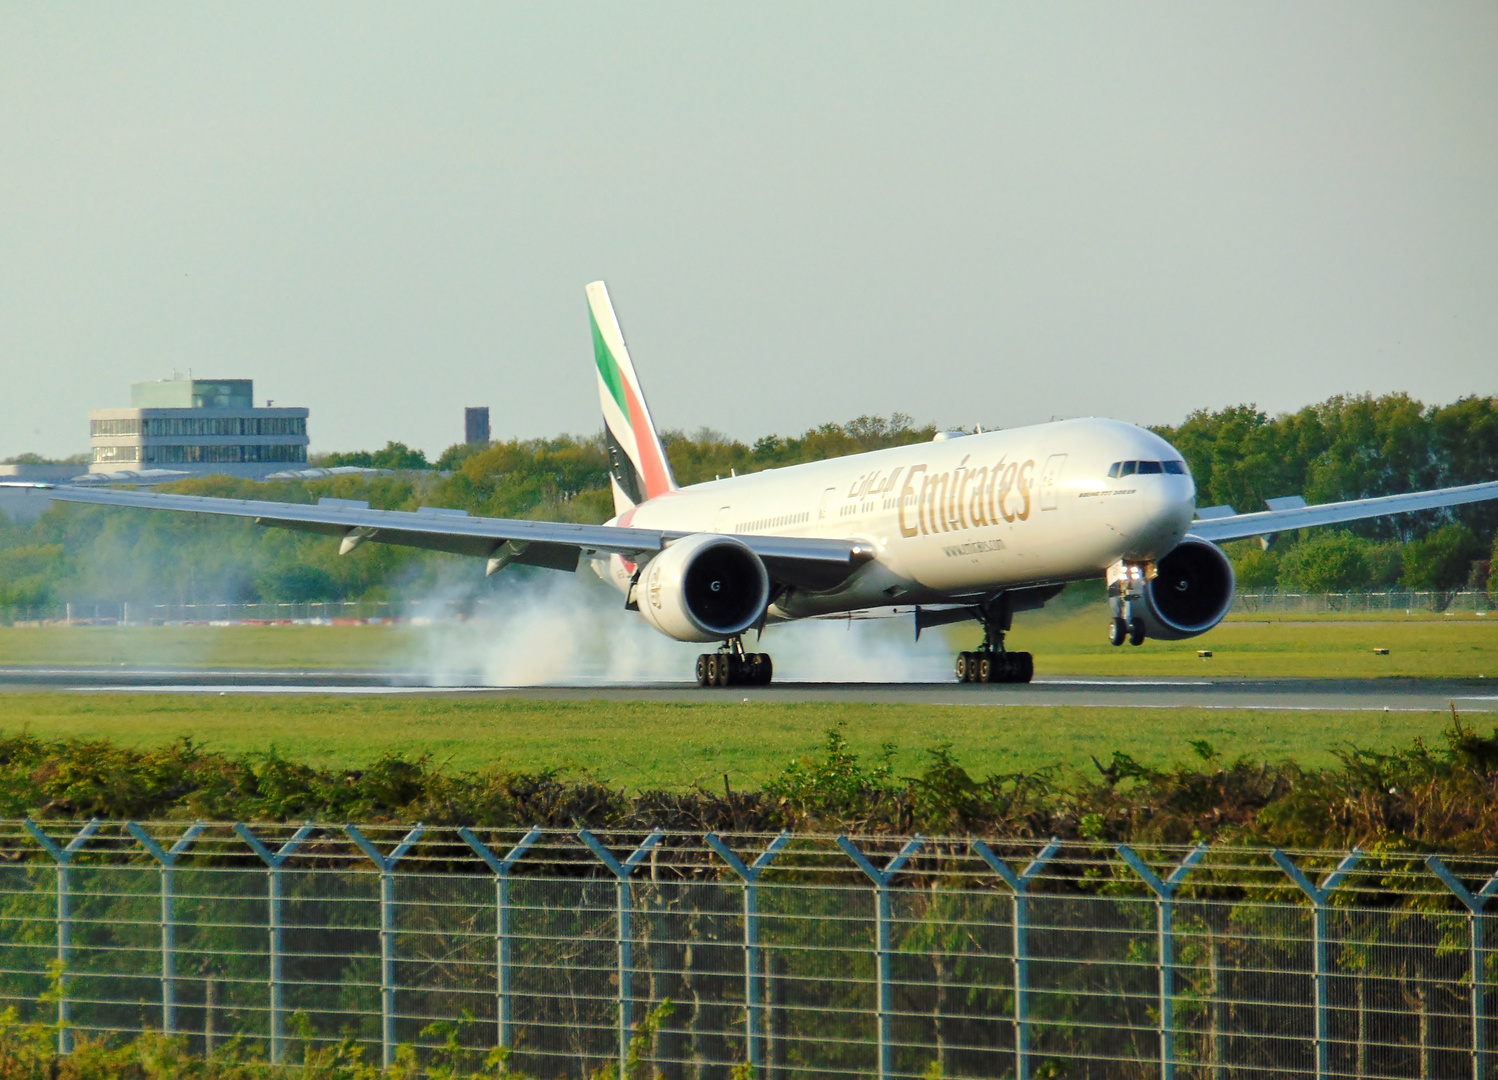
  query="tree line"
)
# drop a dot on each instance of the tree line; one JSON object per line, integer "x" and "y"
{"x": 1342, "y": 448}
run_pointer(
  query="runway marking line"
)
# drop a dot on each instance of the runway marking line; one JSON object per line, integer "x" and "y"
{"x": 368, "y": 691}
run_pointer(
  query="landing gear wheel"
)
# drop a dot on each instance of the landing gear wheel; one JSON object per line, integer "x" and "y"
{"x": 760, "y": 669}
{"x": 1136, "y": 631}
{"x": 995, "y": 667}
{"x": 728, "y": 669}
{"x": 1118, "y": 632}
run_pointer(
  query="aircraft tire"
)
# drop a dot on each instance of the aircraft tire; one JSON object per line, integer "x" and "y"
{"x": 1024, "y": 667}
{"x": 761, "y": 670}
{"x": 1136, "y": 631}
{"x": 1118, "y": 631}
{"x": 985, "y": 669}
{"x": 964, "y": 667}
{"x": 702, "y": 659}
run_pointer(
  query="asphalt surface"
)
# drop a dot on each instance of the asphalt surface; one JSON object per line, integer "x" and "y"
{"x": 1469, "y": 695}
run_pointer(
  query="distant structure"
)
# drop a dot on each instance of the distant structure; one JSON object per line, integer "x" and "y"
{"x": 197, "y": 426}
{"x": 476, "y": 425}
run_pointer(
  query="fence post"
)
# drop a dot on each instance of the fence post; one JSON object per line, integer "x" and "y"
{"x": 168, "y": 859}
{"x": 622, "y": 872}
{"x": 504, "y": 1010}
{"x": 1318, "y": 895}
{"x": 1164, "y": 907}
{"x": 1474, "y": 903}
{"x": 1019, "y": 885}
{"x": 63, "y": 857}
{"x": 882, "y": 916}
{"x": 386, "y": 864}
{"x": 753, "y": 1023}
{"x": 273, "y": 862}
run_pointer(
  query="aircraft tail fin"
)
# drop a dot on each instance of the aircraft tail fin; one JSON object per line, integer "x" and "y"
{"x": 637, "y": 461}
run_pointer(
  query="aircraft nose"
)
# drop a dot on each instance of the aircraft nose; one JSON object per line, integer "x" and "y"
{"x": 1168, "y": 505}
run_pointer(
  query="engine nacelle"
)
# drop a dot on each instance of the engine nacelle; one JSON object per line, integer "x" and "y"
{"x": 1191, "y": 592}
{"x": 703, "y": 588}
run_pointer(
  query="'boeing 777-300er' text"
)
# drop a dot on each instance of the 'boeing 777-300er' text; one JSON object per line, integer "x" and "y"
{"x": 965, "y": 527}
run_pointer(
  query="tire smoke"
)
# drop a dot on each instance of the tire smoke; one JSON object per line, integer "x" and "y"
{"x": 540, "y": 628}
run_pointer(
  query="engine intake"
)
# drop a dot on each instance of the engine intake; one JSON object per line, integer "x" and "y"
{"x": 1191, "y": 592}
{"x": 703, "y": 588}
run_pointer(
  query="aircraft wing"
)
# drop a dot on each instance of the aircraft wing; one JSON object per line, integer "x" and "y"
{"x": 804, "y": 561}
{"x": 1239, "y": 526}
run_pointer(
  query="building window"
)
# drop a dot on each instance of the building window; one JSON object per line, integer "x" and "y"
{"x": 114, "y": 427}
{"x": 189, "y": 427}
{"x": 189, "y": 454}
{"x": 116, "y": 453}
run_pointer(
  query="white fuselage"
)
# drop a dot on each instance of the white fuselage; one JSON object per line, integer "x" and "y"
{"x": 952, "y": 519}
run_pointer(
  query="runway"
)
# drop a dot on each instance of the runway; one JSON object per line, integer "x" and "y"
{"x": 1417, "y": 695}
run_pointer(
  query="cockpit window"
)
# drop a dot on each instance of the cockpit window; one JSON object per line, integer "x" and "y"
{"x": 1129, "y": 468}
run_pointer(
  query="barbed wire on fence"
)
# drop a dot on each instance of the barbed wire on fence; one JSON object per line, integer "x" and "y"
{"x": 807, "y": 954}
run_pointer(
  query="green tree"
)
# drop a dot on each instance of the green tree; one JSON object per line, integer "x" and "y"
{"x": 1442, "y": 560}
{"x": 1492, "y": 577}
{"x": 1330, "y": 562}
{"x": 28, "y": 573}
{"x": 1254, "y": 567}
{"x": 395, "y": 455}
{"x": 1385, "y": 562}
{"x": 1346, "y": 448}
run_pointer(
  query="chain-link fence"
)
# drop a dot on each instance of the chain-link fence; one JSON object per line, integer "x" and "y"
{"x": 1274, "y": 601}
{"x": 798, "y": 956}
{"x": 308, "y": 612}
{"x": 330, "y": 612}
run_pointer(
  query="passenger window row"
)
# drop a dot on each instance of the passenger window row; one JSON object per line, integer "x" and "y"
{"x": 1129, "y": 468}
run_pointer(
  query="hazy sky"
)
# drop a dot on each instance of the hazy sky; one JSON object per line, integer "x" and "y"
{"x": 973, "y": 214}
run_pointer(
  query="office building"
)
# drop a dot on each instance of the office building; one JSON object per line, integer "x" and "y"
{"x": 197, "y": 426}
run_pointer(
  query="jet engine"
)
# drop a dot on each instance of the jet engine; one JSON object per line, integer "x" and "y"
{"x": 1191, "y": 592}
{"x": 703, "y": 588}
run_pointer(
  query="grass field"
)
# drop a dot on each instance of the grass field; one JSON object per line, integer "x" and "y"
{"x": 650, "y": 744}
{"x": 1071, "y": 643}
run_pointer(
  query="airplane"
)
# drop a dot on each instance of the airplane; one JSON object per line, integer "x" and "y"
{"x": 965, "y": 527}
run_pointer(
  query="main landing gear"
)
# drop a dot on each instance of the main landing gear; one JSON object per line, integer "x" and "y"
{"x": 986, "y": 666}
{"x": 992, "y": 663}
{"x": 732, "y": 666}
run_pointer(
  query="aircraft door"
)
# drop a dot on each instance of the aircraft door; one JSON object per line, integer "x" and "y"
{"x": 723, "y": 523}
{"x": 825, "y": 508}
{"x": 1050, "y": 481}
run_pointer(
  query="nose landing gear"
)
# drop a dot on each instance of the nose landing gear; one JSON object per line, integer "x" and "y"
{"x": 1130, "y": 630}
{"x": 732, "y": 666}
{"x": 1126, "y": 583}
